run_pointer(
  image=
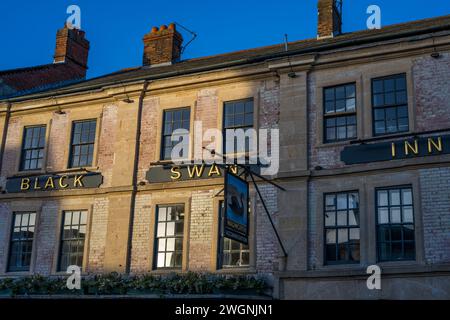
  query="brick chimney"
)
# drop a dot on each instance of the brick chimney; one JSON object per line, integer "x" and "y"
{"x": 162, "y": 46}
{"x": 72, "y": 48}
{"x": 330, "y": 18}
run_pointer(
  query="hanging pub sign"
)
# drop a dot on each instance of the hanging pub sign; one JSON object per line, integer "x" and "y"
{"x": 53, "y": 182}
{"x": 185, "y": 172}
{"x": 236, "y": 208}
{"x": 401, "y": 149}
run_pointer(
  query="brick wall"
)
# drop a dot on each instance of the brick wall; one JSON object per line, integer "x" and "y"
{"x": 99, "y": 227}
{"x": 58, "y": 139}
{"x": 12, "y": 149}
{"x": 432, "y": 94}
{"x": 149, "y": 136}
{"x": 106, "y": 143}
{"x": 267, "y": 248}
{"x": 5, "y": 213}
{"x": 140, "y": 247}
{"x": 200, "y": 235}
{"x": 435, "y": 198}
{"x": 45, "y": 244}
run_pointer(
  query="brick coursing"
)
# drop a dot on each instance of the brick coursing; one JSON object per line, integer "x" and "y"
{"x": 432, "y": 95}
{"x": 435, "y": 199}
{"x": 45, "y": 244}
{"x": 312, "y": 227}
{"x": 106, "y": 143}
{"x": 5, "y": 213}
{"x": 267, "y": 248}
{"x": 12, "y": 149}
{"x": 149, "y": 136}
{"x": 59, "y": 137}
{"x": 201, "y": 227}
{"x": 97, "y": 241}
{"x": 140, "y": 247}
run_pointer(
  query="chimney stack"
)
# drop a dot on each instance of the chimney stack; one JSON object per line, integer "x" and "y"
{"x": 72, "y": 48}
{"x": 162, "y": 46}
{"x": 330, "y": 18}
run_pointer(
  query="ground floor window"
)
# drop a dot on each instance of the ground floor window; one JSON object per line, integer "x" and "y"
{"x": 73, "y": 235}
{"x": 231, "y": 253}
{"x": 342, "y": 233}
{"x": 169, "y": 236}
{"x": 395, "y": 224}
{"x": 21, "y": 245}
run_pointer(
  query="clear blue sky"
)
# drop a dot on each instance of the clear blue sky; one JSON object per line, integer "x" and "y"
{"x": 115, "y": 28}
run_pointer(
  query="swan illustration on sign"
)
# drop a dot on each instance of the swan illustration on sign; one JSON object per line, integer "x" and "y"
{"x": 236, "y": 208}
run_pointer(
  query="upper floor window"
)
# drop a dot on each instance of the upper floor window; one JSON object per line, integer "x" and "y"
{"x": 340, "y": 112}
{"x": 390, "y": 104}
{"x": 395, "y": 224}
{"x": 33, "y": 148}
{"x": 238, "y": 115}
{"x": 83, "y": 141}
{"x": 342, "y": 222}
{"x": 231, "y": 252}
{"x": 73, "y": 235}
{"x": 174, "y": 119}
{"x": 21, "y": 245}
{"x": 169, "y": 236}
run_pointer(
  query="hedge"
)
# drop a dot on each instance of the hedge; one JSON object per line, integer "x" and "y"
{"x": 118, "y": 284}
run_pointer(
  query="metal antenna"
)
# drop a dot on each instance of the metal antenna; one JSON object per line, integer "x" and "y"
{"x": 194, "y": 35}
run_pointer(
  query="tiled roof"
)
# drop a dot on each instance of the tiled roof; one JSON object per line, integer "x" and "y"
{"x": 260, "y": 54}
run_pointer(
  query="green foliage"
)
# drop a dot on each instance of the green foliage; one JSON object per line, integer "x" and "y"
{"x": 117, "y": 284}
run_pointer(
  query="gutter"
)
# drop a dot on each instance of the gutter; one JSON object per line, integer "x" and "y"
{"x": 263, "y": 58}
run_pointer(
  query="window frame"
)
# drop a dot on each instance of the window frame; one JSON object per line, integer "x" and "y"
{"x": 243, "y": 127}
{"x": 221, "y": 242}
{"x": 156, "y": 238}
{"x": 23, "y": 150}
{"x": 401, "y": 224}
{"x": 11, "y": 241}
{"x": 339, "y": 114}
{"x": 336, "y": 227}
{"x": 163, "y": 127}
{"x": 385, "y": 107}
{"x": 72, "y": 145}
{"x": 62, "y": 240}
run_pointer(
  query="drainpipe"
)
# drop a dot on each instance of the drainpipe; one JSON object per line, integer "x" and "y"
{"x": 5, "y": 132}
{"x": 135, "y": 175}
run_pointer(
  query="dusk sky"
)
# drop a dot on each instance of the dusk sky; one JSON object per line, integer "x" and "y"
{"x": 115, "y": 28}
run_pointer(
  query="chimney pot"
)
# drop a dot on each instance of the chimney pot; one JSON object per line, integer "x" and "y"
{"x": 162, "y": 46}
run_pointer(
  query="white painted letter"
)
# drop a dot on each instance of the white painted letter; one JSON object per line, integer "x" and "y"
{"x": 374, "y": 281}
{"x": 374, "y": 21}
{"x": 74, "y": 281}
{"x": 74, "y": 21}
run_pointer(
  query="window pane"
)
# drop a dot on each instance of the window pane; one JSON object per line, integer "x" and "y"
{"x": 330, "y": 219}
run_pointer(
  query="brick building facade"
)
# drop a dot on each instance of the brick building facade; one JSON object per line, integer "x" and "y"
{"x": 335, "y": 218}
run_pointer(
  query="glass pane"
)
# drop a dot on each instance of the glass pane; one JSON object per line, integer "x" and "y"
{"x": 161, "y": 259}
{"x": 409, "y": 250}
{"x": 170, "y": 244}
{"x": 354, "y": 254}
{"x": 331, "y": 236}
{"x": 378, "y": 100}
{"x": 396, "y": 253}
{"x": 377, "y": 86}
{"x": 342, "y": 201}
{"x": 408, "y": 214}
{"x": 383, "y": 215}
{"x": 170, "y": 259}
{"x": 330, "y": 219}
{"x": 331, "y": 134}
{"x": 395, "y": 215}
{"x": 382, "y": 198}
{"x": 341, "y": 132}
{"x": 351, "y": 104}
{"x": 329, "y": 94}
{"x": 161, "y": 230}
{"x": 353, "y": 218}
{"x": 342, "y": 218}
{"x": 350, "y": 91}
{"x": 331, "y": 252}
{"x": 161, "y": 244}
{"x": 394, "y": 197}
{"x": 329, "y": 106}
{"x": 170, "y": 229}
{"x": 406, "y": 197}
{"x": 389, "y": 85}
{"x": 329, "y": 202}
{"x": 340, "y": 105}
{"x": 400, "y": 83}
{"x": 354, "y": 234}
{"x": 162, "y": 213}
{"x": 384, "y": 234}
{"x": 408, "y": 232}
{"x": 353, "y": 200}
{"x": 340, "y": 93}
{"x": 396, "y": 233}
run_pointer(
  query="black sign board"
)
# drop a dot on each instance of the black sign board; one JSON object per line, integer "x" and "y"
{"x": 401, "y": 149}
{"x": 53, "y": 182}
{"x": 174, "y": 173}
{"x": 236, "y": 208}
